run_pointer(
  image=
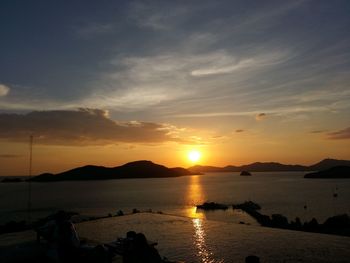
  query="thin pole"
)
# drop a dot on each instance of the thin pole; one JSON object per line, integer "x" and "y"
{"x": 30, "y": 177}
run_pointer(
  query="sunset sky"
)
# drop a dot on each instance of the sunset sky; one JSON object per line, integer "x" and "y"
{"x": 108, "y": 82}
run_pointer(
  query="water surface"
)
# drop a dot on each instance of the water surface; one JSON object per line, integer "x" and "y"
{"x": 279, "y": 192}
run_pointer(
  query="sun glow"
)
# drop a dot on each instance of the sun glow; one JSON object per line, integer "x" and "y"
{"x": 194, "y": 156}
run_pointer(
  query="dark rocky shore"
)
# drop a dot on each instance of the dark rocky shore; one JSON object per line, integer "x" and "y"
{"x": 334, "y": 172}
{"x": 336, "y": 225}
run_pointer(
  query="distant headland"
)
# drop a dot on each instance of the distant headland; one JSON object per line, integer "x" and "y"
{"x": 333, "y": 172}
{"x": 271, "y": 167}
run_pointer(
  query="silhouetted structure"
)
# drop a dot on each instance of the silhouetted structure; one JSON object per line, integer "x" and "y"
{"x": 64, "y": 245}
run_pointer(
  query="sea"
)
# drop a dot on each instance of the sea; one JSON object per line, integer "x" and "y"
{"x": 286, "y": 193}
{"x": 187, "y": 234}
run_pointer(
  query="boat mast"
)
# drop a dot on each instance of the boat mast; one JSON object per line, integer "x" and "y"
{"x": 30, "y": 177}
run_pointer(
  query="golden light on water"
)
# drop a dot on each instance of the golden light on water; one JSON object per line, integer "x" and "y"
{"x": 194, "y": 156}
{"x": 194, "y": 197}
{"x": 199, "y": 241}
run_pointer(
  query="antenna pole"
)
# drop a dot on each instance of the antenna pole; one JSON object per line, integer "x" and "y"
{"x": 30, "y": 177}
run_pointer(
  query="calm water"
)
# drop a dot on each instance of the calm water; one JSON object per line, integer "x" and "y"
{"x": 197, "y": 240}
{"x": 282, "y": 192}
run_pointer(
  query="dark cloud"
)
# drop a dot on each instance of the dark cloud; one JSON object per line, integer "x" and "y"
{"x": 9, "y": 155}
{"x": 260, "y": 116}
{"x": 339, "y": 135}
{"x": 81, "y": 127}
{"x": 239, "y": 130}
{"x": 318, "y": 131}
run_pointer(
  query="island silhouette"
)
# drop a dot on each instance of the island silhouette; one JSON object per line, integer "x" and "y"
{"x": 137, "y": 169}
{"x": 271, "y": 167}
{"x": 333, "y": 172}
{"x": 148, "y": 169}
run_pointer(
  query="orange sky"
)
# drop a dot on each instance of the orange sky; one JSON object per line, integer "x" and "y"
{"x": 236, "y": 149}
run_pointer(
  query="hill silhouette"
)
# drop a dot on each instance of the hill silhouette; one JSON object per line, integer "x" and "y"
{"x": 329, "y": 163}
{"x": 137, "y": 169}
{"x": 334, "y": 172}
{"x": 148, "y": 169}
{"x": 271, "y": 167}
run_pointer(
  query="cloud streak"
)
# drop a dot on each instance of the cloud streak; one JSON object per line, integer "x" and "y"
{"x": 149, "y": 81}
{"x": 260, "y": 116}
{"x": 340, "y": 135}
{"x": 82, "y": 127}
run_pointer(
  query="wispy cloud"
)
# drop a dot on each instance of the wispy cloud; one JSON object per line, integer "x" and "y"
{"x": 223, "y": 63}
{"x": 260, "y": 116}
{"x": 318, "y": 131}
{"x": 340, "y": 135}
{"x": 157, "y": 16}
{"x": 141, "y": 82}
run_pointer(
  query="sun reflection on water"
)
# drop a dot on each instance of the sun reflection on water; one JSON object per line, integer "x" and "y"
{"x": 196, "y": 196}
{"x": 199, "y": 240}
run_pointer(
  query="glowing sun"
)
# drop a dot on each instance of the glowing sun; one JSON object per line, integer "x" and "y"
{"x": 194, "y": 156}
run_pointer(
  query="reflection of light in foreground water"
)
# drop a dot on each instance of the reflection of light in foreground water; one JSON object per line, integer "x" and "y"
{"x": 193, "y": 213}
{"x": 194, "y": 197}
{"x": 199, "y": 240}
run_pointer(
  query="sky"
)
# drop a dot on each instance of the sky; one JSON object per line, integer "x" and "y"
{"x": 108, "y": 82}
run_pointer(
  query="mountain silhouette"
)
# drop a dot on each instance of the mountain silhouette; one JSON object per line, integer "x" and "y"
{"x": 137, "y": 169}
{"x": 271, "y": 167}
{"x": 148, "y": 169}
{"x": 329, "y": 163}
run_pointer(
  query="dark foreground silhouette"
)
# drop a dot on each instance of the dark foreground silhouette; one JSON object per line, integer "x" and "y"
{"x": 136, "y": 248}
{"x": 64, "y": 245}
{"x": 12, "y": 180}
{"x": 336, "y": 225}
{"x": 334, "y": 172}
{"x": 57, "y": 241}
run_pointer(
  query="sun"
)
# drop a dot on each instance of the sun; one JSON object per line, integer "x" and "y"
{"x": 194, "y": 156}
